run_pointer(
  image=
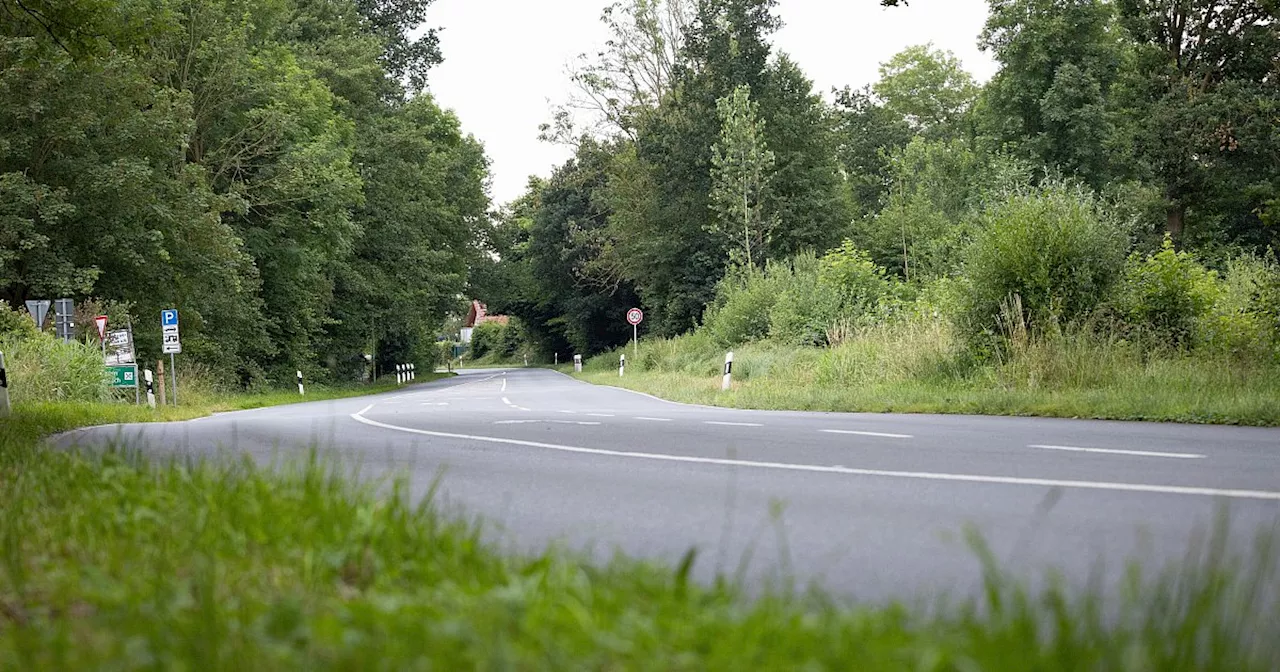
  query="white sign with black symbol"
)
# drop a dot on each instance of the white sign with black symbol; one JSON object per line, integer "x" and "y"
{"x": 119, "y": 347}
{"x": 171, "y": 343}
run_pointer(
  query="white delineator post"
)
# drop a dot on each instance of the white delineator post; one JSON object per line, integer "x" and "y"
{"x": 728, "y": 371}
{"x": 399, "y": 374}
{"x": 151, "y": 391}
{"x": 301, "y": 390}
{"x": 577, "y": 363}
{"x": 4, "y": 389}
{"x": 413, "y": 372}
{"x": 622, "y": 365}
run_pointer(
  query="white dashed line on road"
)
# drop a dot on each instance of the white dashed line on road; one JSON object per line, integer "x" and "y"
{"x": 504, "y": 383}
{"x": 653, "y": 419}
{"x": 600, "y": 415}
{"x": 515, "y": 406}
{"x": 553, "y": 422}
{"x": 733, "y": 424}
{"x": 1116, "y": 451}
{"x": 879, "y": 434}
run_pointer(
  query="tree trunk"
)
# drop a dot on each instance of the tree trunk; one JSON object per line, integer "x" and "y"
{"x": 1175, "y": 217}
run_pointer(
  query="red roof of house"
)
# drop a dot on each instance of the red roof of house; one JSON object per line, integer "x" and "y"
{"x": 477, "y": 314}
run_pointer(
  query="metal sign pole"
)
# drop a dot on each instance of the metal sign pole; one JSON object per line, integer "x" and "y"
{"x": 137, "y": 389}
{"x": 173, "y": 369}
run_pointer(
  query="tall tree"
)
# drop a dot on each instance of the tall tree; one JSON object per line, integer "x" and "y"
{"x": 424, "y": 194}
{"x": 1203, "y": 100}
{"x": 205, "y": 154}
{"x": 866, "y": 134}
{"x": 1059, "y": 60}
{"x": 661, "y": 240}
{"x": 741, "y": 172}
{"x": 928, "y": 88}
{"x": 550, "y": 282}
{"x": 631, "y": 75}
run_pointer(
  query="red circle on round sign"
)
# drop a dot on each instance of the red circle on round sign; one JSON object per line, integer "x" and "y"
{"x": 635, "y": 316}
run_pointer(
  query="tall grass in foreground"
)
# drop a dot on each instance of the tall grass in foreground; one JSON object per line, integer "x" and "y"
{"x": 114, "y": 562}
{"x": 916, "y": 364}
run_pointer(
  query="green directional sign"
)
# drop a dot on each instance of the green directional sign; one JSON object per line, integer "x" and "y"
{"x": 124, "y": 375}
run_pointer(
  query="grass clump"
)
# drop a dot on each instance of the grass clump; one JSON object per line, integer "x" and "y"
{"x": 113, "y": 561}
{"x": 44, "y": 368}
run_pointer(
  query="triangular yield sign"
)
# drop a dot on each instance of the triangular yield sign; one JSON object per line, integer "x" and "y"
{"x": 101, "y": 321}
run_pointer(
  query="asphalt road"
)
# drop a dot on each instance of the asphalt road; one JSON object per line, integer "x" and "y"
{"x": 867, "y": 505}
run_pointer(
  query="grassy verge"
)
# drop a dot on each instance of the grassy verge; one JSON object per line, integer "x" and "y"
{"x": 113, "y": 562}
{"x": 32, "y": 420}
{"x": 918, "y": 372}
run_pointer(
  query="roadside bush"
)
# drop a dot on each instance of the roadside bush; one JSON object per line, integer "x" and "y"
{"x": 496, "y": 340}
{"x": 1244, "y": 320}
{"x": 511, "y": 339}
{"x": 486, "y": 339}
{"x": 1166, "y": 294}
{"x": 806, "y": 306}
{"x": 744, "y": 299}
{"x": 798, "y": 301}
{"x": 1052, "y": 247}
{"x": 859, "y": 282}
{"x": 44, "y": 368}
{"x": 14, "y": 322}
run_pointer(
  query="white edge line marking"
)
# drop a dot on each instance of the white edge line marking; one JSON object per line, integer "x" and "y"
{"x": 880, "y": 434}
{"x": 733, "y": 424}
{"x": 1115, "y": 451}
{"x": 641, "y": 417}
{"x": 918, "y": 475}
{"x": 534, "y": 422}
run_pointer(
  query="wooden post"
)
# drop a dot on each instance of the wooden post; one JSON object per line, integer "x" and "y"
{"x": 160, "y": 380}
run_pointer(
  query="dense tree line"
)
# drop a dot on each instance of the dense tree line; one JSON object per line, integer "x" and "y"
{"x": 272, "y": 169}
{"x": 707, "y": 151}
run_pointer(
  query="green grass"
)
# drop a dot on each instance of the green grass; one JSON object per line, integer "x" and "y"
{"x": 918, "y": 370}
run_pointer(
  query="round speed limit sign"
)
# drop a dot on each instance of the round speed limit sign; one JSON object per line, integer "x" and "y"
{"x": 635, "y": 316}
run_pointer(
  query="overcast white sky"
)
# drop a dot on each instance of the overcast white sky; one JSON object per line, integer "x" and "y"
{"x": 505, "y": 60}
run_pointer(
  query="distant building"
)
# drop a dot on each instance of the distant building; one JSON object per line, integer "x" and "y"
{"x": 478, "y": 314}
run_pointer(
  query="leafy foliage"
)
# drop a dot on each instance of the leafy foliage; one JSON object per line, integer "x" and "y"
{"x": 927, "y": 88}
{"x": 741, "y": 170}
{"x": 259, "y": 166}
{"x": 1043, "y": 256}
{"x": 1167, "y": 292}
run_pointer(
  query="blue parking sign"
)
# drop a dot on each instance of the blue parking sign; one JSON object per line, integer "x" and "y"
{"x": 168, "y": 317}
